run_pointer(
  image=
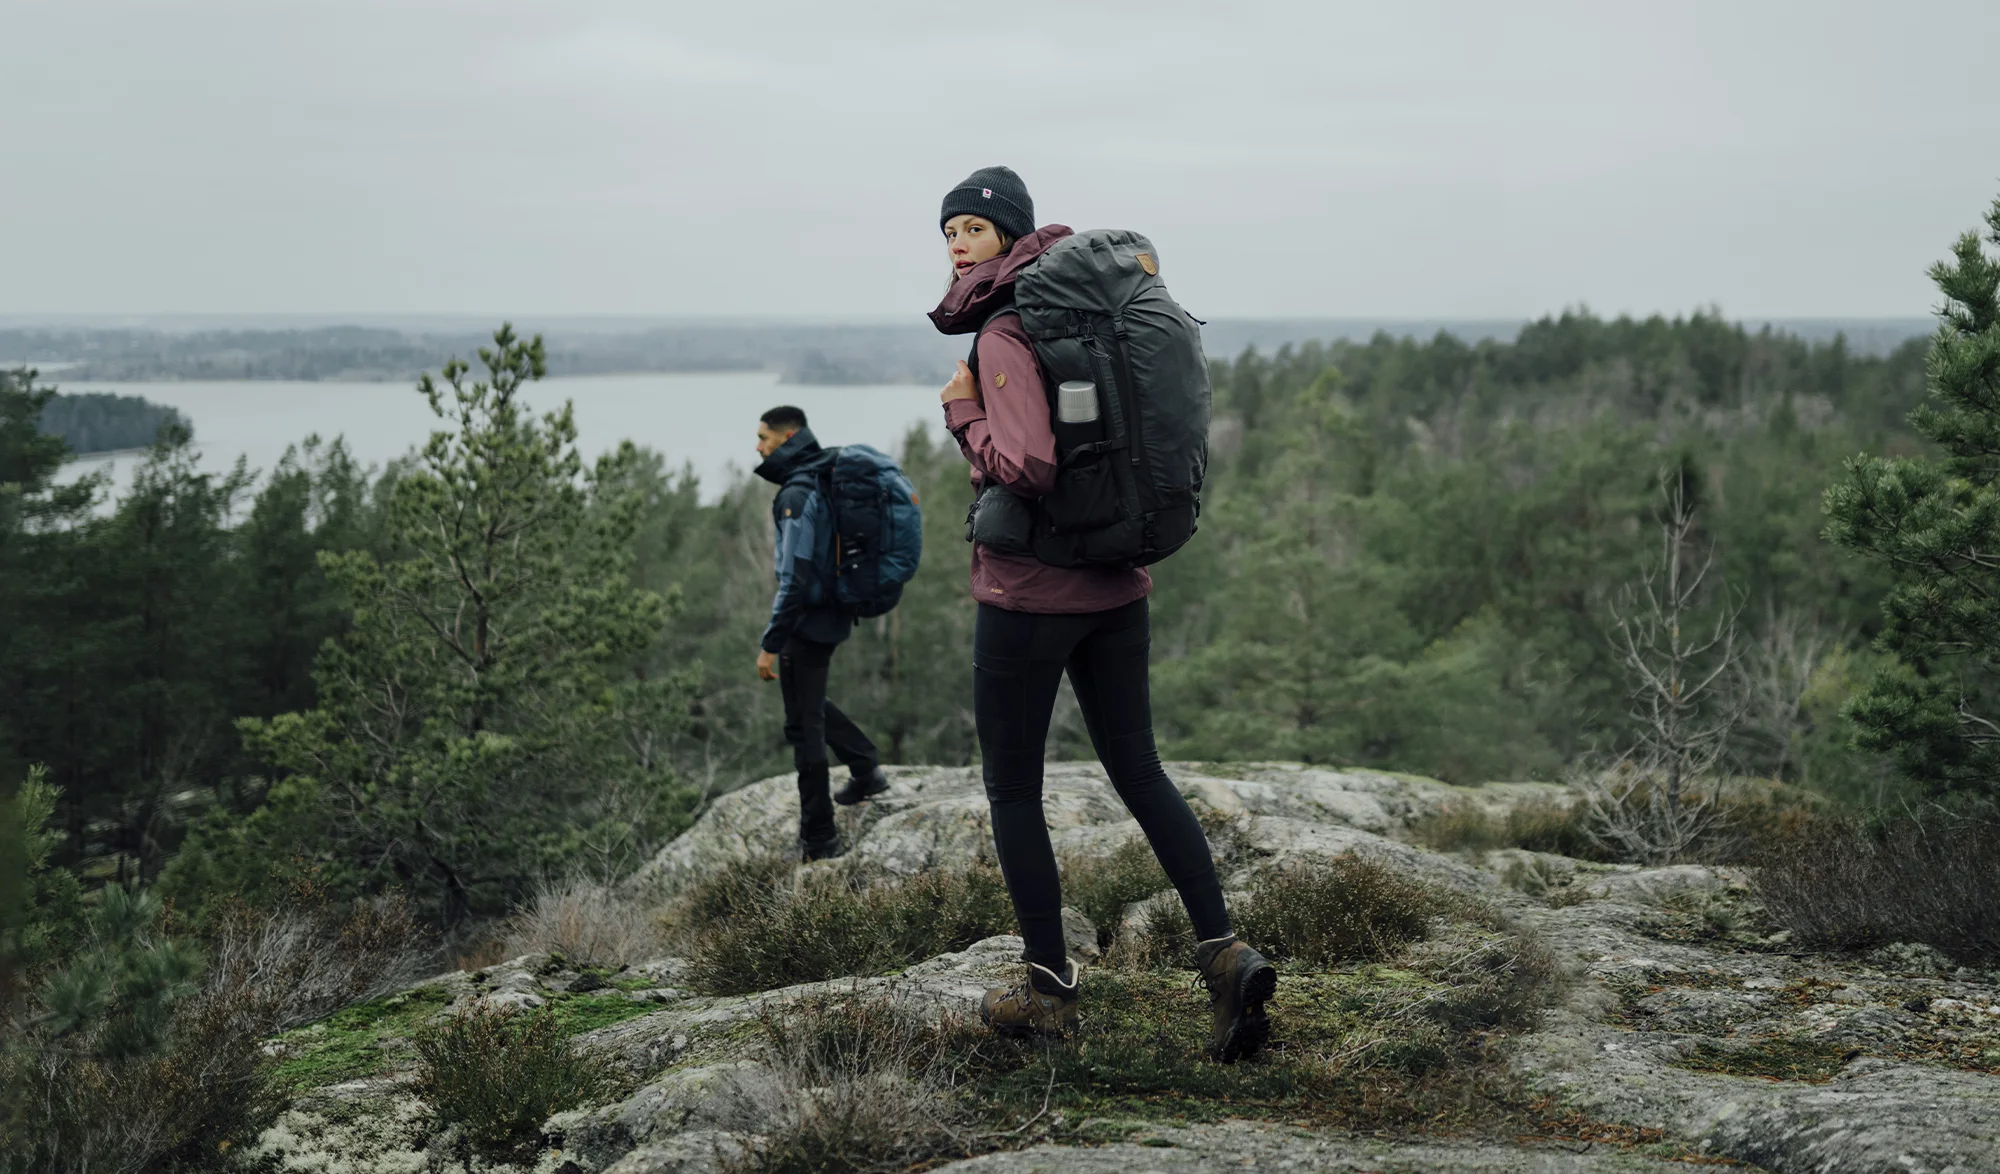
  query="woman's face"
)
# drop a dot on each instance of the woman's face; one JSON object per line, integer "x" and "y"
{"x": 970, "y": 239}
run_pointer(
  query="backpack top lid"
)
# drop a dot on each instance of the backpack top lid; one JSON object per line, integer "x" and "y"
{"x": 1101, "y": 270}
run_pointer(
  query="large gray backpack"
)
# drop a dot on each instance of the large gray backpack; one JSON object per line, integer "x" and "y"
{"x": 1128, "y": 489}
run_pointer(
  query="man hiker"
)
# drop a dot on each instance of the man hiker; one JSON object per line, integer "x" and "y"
{"x": 806, "y": 626}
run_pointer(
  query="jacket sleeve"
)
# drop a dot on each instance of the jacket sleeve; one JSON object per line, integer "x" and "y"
{"x": 796, "y": 538}
{"x": 1005, "y": 434}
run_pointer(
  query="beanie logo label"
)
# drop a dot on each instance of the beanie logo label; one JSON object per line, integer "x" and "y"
{"x": 985, "y": 193}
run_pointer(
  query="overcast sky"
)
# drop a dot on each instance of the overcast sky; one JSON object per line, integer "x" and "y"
{"x": 741, "y": 157}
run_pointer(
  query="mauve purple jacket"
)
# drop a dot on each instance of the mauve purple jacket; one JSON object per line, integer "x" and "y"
{"x": 1007, "y": 438}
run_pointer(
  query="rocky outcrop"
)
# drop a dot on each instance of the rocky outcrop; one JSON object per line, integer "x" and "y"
{"x": 1242, "y": 1145}
{"x": 938, "y": 816}
{"x": 1685, "y": 1022}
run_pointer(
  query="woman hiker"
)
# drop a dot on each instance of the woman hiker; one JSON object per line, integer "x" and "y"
{"x": 1036, "y": 622}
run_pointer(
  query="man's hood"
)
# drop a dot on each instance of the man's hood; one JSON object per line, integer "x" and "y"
{"x": 989, "y": 285}
{"x": 801, "y": 451}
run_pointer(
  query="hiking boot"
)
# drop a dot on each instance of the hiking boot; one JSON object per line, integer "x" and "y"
{"x": 1239, "y": 982}
{"x": 861, "y": 787}
{"x": 1041, "y": 1004}
{"x": 819, "y": 849}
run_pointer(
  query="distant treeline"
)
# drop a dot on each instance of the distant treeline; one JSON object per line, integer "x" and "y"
{"x": 812, "y": 353}
{"x": 95, "y": 421}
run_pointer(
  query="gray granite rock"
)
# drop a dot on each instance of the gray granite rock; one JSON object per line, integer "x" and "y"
{"x": 1238, "y": 1146}
{"x": 937, "y": 816}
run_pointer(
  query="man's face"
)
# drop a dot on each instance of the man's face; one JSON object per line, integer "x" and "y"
{"x": 768, "y": 441}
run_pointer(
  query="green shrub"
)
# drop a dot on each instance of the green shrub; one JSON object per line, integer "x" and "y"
{"x": 496, "y": 1075}
{"x": 759, "y": 930}
{"x": 1103, "y": 888}
{"x": 1931, "y": 875}
{"x": 1350, "y": 908}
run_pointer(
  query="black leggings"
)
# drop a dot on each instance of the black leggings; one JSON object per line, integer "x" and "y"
{"x": 1017, "y": 664}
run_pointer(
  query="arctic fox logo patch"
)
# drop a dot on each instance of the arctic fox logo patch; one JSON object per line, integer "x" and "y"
{"x": 985, "y": 193}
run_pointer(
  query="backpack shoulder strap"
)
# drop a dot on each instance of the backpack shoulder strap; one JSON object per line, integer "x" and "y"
{"x": 972, "y": 356}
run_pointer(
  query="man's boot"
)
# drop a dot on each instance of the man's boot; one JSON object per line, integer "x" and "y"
{"x": 862, "y": 786}
{"x": 1044, "y": 1003}
{"x": 818, "y": 838}
{"x": 1239, "y": 982}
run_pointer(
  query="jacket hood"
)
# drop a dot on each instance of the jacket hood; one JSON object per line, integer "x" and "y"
{"x": 799, "y": 453}
{"x": 989, "y": 285}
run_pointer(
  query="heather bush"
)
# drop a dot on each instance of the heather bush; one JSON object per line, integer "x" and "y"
{"x": 760, "y": 928}
{"x": 1349, "y": 908}
{"x": 1929, "y": 875}
{"x": 860, "y": 1085}
{"x": 1104, "y": 887}
{"x": 143, "y": 1049}
{"x": 493, "y": 1076}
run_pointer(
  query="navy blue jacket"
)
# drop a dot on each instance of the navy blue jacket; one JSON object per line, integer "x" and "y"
{"x": 802, "y": 528}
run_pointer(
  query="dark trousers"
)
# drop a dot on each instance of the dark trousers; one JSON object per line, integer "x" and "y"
{"x": 1018, "y": 660}
{"x": 813, "y": 725}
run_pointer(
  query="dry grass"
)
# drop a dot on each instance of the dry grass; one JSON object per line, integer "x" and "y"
{"x": 1542, "y": 825}
{"x": 865, "y": 1085}
{"x": 1930, "y": 876}
{"x": 1736, "y": 819}
{"x": 1497, "y": 980}
{"x": 589, "y": 922}
{"x": 310, "y": 960}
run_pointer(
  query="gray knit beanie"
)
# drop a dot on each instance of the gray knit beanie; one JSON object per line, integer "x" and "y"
{"x": 997, "y": 194}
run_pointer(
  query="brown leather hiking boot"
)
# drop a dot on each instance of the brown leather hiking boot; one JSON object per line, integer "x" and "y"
{"x": 1044, "y": 1003}
{"x": 1239, "y": 982}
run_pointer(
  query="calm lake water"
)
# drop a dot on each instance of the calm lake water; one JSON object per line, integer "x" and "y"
{"x": 706, "y": 422}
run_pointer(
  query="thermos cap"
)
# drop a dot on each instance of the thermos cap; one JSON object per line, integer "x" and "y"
{"x": 1076, "y": 401}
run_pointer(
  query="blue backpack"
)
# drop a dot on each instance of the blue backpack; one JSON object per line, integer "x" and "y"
{"x": 878, "y": 531}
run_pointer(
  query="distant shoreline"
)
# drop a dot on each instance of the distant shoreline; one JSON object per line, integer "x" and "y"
{"x": 804, "y": 354}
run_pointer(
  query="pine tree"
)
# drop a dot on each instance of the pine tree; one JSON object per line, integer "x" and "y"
{"x": 1935, "y": 523}
{"x": 482, "y": 721}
